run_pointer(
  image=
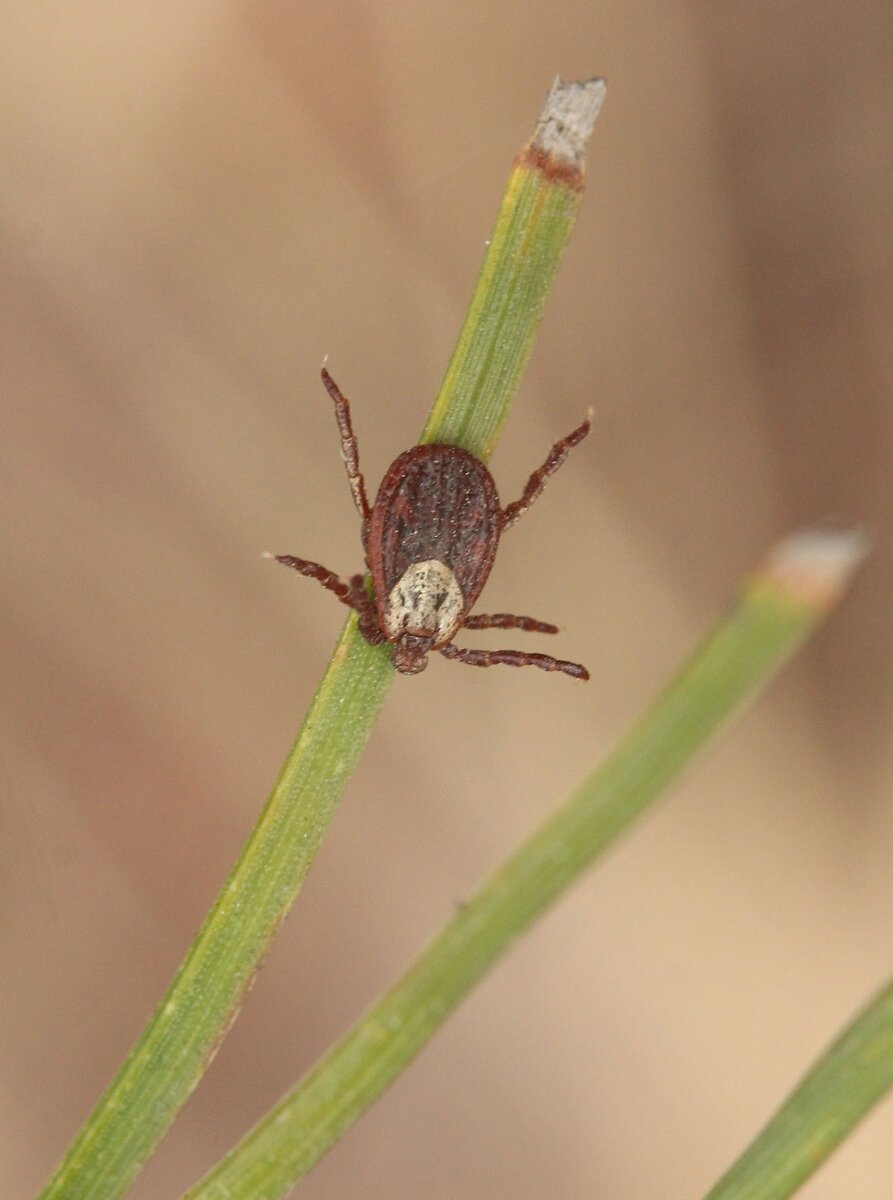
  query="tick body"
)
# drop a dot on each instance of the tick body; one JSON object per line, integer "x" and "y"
{"x": 430, "y": 540}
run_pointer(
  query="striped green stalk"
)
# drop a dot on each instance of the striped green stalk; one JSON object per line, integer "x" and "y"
{"x": 195, "y": 1013}
{"x": 824, "y": 1108}
{"x": 778, "y": 608}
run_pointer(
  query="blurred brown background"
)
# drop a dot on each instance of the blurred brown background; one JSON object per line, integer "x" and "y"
{"x": 200, "y": 200}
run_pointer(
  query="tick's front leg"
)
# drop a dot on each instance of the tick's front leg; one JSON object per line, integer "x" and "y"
{"x": 365, "y": 606}
{"x": 513, "y": 658}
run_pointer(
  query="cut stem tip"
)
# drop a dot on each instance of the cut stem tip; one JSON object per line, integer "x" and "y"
{"x": 813, "y": 567}
{"x": 565, "y": 124}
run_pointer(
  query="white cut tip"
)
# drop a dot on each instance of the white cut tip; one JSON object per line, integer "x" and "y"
{"x": 814, "y": 566}
{"x": 568, "y": 115}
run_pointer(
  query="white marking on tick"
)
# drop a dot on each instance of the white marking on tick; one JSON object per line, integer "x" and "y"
{"x": 427, "y": 602}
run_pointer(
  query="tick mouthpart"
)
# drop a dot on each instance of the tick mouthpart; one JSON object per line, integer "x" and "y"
{"x": 420, "y": 634}
{"x": 411, "y": 653}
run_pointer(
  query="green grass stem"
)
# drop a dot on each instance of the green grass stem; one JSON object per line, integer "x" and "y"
{"x": 777, "y": 609}
{"x": 535, "y": 220}
{"x": 824, "y": 1108}
{"x": 195, "y": 1013}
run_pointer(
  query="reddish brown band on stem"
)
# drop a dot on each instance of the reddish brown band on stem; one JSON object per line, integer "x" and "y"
{"x": 556, "y": 171}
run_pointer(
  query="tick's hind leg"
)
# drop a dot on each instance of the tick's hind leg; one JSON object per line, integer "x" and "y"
{"x": 349, "y": 450}
{"x": 327, "y": 578}
{"x": 538, "y": 479}
{"x": 508, "y": 621}
{"x": 513, "y": 658}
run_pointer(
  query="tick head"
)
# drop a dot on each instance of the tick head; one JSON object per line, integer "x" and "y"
{"x": 411, "y": 653}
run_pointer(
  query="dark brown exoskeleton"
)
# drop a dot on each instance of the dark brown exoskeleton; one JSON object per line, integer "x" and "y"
{"x": 430, "y": 540}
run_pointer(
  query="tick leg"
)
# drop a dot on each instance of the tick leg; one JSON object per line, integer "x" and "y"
{"x": 508, "y": 621}
{"x": 365, "y": 606}
{"x": 538, "y": 479}
{"x": 327, "y": 578}
{"x": 513, "y": 658}
{"x": 349, "y": 451}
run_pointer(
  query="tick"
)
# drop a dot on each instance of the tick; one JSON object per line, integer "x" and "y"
{"x": 430, "y": 539}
